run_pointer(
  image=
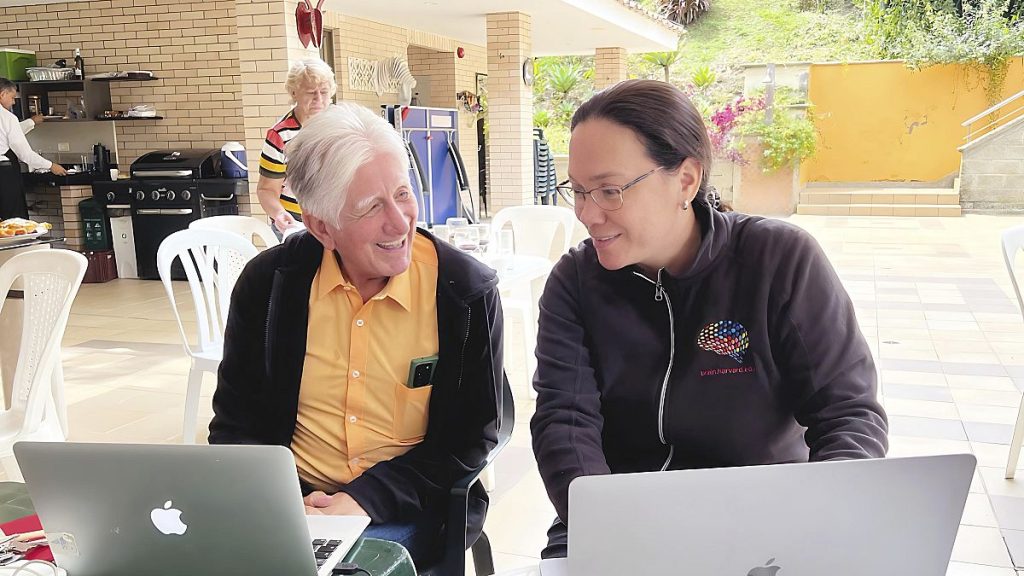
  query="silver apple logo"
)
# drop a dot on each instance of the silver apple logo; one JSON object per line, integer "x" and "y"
{"x": 769, "y": 569}
{"x": 168, "y": 520}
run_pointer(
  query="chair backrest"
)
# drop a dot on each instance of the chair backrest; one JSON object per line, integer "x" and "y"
{"x": 246, "y": 226}
{"x": 1013, "y": 242}
{"x": 506, "y": 420}
{"x": 50, "y": 280}
{"x": 213, "y": 260}
{"x": 544, "y": 231}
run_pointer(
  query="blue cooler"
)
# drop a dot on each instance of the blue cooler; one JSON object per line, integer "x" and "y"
{"x": 233, "y": 162}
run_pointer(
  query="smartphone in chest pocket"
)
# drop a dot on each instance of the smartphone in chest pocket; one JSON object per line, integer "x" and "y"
{"x": 421, "y": 372}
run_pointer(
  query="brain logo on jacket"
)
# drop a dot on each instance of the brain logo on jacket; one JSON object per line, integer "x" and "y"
{"x": 725, "y": 338}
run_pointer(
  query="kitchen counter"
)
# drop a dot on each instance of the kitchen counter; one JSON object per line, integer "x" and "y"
{"x": 54, "y": 200}
{"x": 80, "y": 179}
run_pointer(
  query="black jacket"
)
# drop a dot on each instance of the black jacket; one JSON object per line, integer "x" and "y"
{"x": 753, "y": 356}
{"x": 264, "y": 349}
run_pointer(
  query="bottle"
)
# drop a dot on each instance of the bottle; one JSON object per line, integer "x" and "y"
{"x": 101, "y": 159}
{"x": 77, "y": 111}
{"x": 79, "y": 65}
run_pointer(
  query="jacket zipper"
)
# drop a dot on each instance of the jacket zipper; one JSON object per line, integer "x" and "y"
{"x": 462, "y": 353}
{"x": 266, "y": 330}
{"x": 661, "y": 295}
{"x": 266, "y": 337}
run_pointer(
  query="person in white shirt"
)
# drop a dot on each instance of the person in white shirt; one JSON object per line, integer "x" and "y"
{"x": 28, "y": 125}
{"x": 14, "y": 149}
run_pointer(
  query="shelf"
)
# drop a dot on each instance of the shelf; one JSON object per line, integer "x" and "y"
{"x": 57, "y": 85}
{"x": 145, "y": 79}
{"x": 95, "y": 96}
{"x": 102, "y": 119}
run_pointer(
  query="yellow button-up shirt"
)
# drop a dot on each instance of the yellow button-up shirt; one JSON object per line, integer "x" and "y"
{"x": 355, "y": 409}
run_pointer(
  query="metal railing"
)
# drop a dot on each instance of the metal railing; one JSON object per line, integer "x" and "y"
{"x": 997, "y": 116}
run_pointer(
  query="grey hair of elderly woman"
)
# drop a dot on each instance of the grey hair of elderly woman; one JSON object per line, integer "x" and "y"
{"x": 325, "y": 155}
{"x": 310, "y": 73}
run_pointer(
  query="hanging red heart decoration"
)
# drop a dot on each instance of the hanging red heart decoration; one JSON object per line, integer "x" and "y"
{"x": 318, "y": 25}
{"x": 304, "y": 22}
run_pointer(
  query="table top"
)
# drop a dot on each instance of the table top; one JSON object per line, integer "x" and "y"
{"x": 33, "y": 242}
{"x": 516, "y": 268}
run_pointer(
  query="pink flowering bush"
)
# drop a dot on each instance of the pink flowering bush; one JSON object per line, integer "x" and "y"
{"x": 723, "y": 124}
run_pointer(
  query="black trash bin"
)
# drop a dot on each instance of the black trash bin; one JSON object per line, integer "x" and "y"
{"x": 95, "y": 226}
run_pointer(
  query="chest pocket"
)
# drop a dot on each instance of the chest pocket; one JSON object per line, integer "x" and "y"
{"x": 411, "y": 413}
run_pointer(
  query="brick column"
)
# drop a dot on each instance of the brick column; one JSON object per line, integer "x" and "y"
{"x": 510, "y": 111}
{"x": 609, "y": 67}
{"x": 267, "y": 42}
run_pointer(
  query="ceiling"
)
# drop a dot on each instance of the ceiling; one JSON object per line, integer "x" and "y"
{"x": 560, "y": 27}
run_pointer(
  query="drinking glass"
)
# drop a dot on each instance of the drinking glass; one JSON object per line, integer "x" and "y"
{"x": 483, "y": 234}
{"x": 465, "y": 238}
{"x": 506, "y": 243}
{"x": 456, "y": 222}
{"x": 441, "y": 232}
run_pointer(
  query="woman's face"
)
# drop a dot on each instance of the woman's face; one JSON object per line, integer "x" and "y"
{"x": 649, "y": 226}
{"x": 310, "y": 100}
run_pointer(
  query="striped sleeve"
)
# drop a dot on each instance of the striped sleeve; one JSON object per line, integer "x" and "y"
{"x": 273, "y": 163}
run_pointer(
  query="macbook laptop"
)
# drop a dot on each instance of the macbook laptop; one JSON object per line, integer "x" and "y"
{"x": 897, "y": 516}
{"x": 168, "y": 510}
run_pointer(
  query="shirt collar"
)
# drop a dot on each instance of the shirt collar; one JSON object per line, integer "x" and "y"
{"x": 330, "y": 278}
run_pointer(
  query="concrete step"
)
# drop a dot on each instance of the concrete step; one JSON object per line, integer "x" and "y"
{"x": 879, "y": 209}
{"x": 894, "y": 196}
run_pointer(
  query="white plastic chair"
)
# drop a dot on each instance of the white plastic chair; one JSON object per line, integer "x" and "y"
{"x": 536, "y": 229}
{"x": 50, "y": 280}
{"x": 246, "y": 226}
{"x": 1013, "y": 242}
{"x": 213, "y": 260}
{"x": 544, "y": 231}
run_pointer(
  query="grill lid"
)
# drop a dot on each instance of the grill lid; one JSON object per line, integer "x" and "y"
{"x": 174, "y": 164}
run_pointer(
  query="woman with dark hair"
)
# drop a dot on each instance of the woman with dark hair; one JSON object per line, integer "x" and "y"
{"x": 678, "y": 335}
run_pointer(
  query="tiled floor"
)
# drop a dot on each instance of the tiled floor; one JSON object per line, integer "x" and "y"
{"x": 932, "y": 297}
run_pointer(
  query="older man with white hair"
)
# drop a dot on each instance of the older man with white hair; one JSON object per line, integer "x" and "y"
{"x": 366, "y": 346}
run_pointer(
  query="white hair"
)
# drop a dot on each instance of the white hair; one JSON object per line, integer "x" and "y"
{"x": 310, "y": 72}
{"x": 325, "y": 155}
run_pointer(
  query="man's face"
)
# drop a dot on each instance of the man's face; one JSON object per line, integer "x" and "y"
{"x": 7, "y": 98}
{"x": 378, "y": 223}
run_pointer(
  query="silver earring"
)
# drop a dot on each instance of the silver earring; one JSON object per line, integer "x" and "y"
{"x": 686, "y": 204}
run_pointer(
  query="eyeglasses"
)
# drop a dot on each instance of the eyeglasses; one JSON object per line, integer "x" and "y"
{"x": 606, "y": 197}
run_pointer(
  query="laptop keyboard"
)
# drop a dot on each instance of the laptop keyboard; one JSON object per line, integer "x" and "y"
{"x": 323, "y": 550}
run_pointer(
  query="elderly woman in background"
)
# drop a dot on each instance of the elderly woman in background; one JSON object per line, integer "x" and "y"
{"x": 311, "y": 86}
{"x": 366, "y": 346}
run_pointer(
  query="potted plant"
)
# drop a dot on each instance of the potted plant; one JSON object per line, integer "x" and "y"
{"x": 767, "y": 144}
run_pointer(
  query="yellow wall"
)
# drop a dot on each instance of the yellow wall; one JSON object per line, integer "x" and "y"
{"x": 884, "y": 122}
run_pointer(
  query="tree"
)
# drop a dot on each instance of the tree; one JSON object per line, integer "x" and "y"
{"x": 562, "y": 78}
{"x": 980, "y": 34}
{"x": 664, "y": 60}
{"x": 684, "y": 11}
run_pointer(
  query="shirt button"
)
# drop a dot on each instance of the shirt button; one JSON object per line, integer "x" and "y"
{"x": 354, "y": 461}
{"x": 360, "y": 322}
{"x": 355, "y": 373}
{"x": 352, "y": 419}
